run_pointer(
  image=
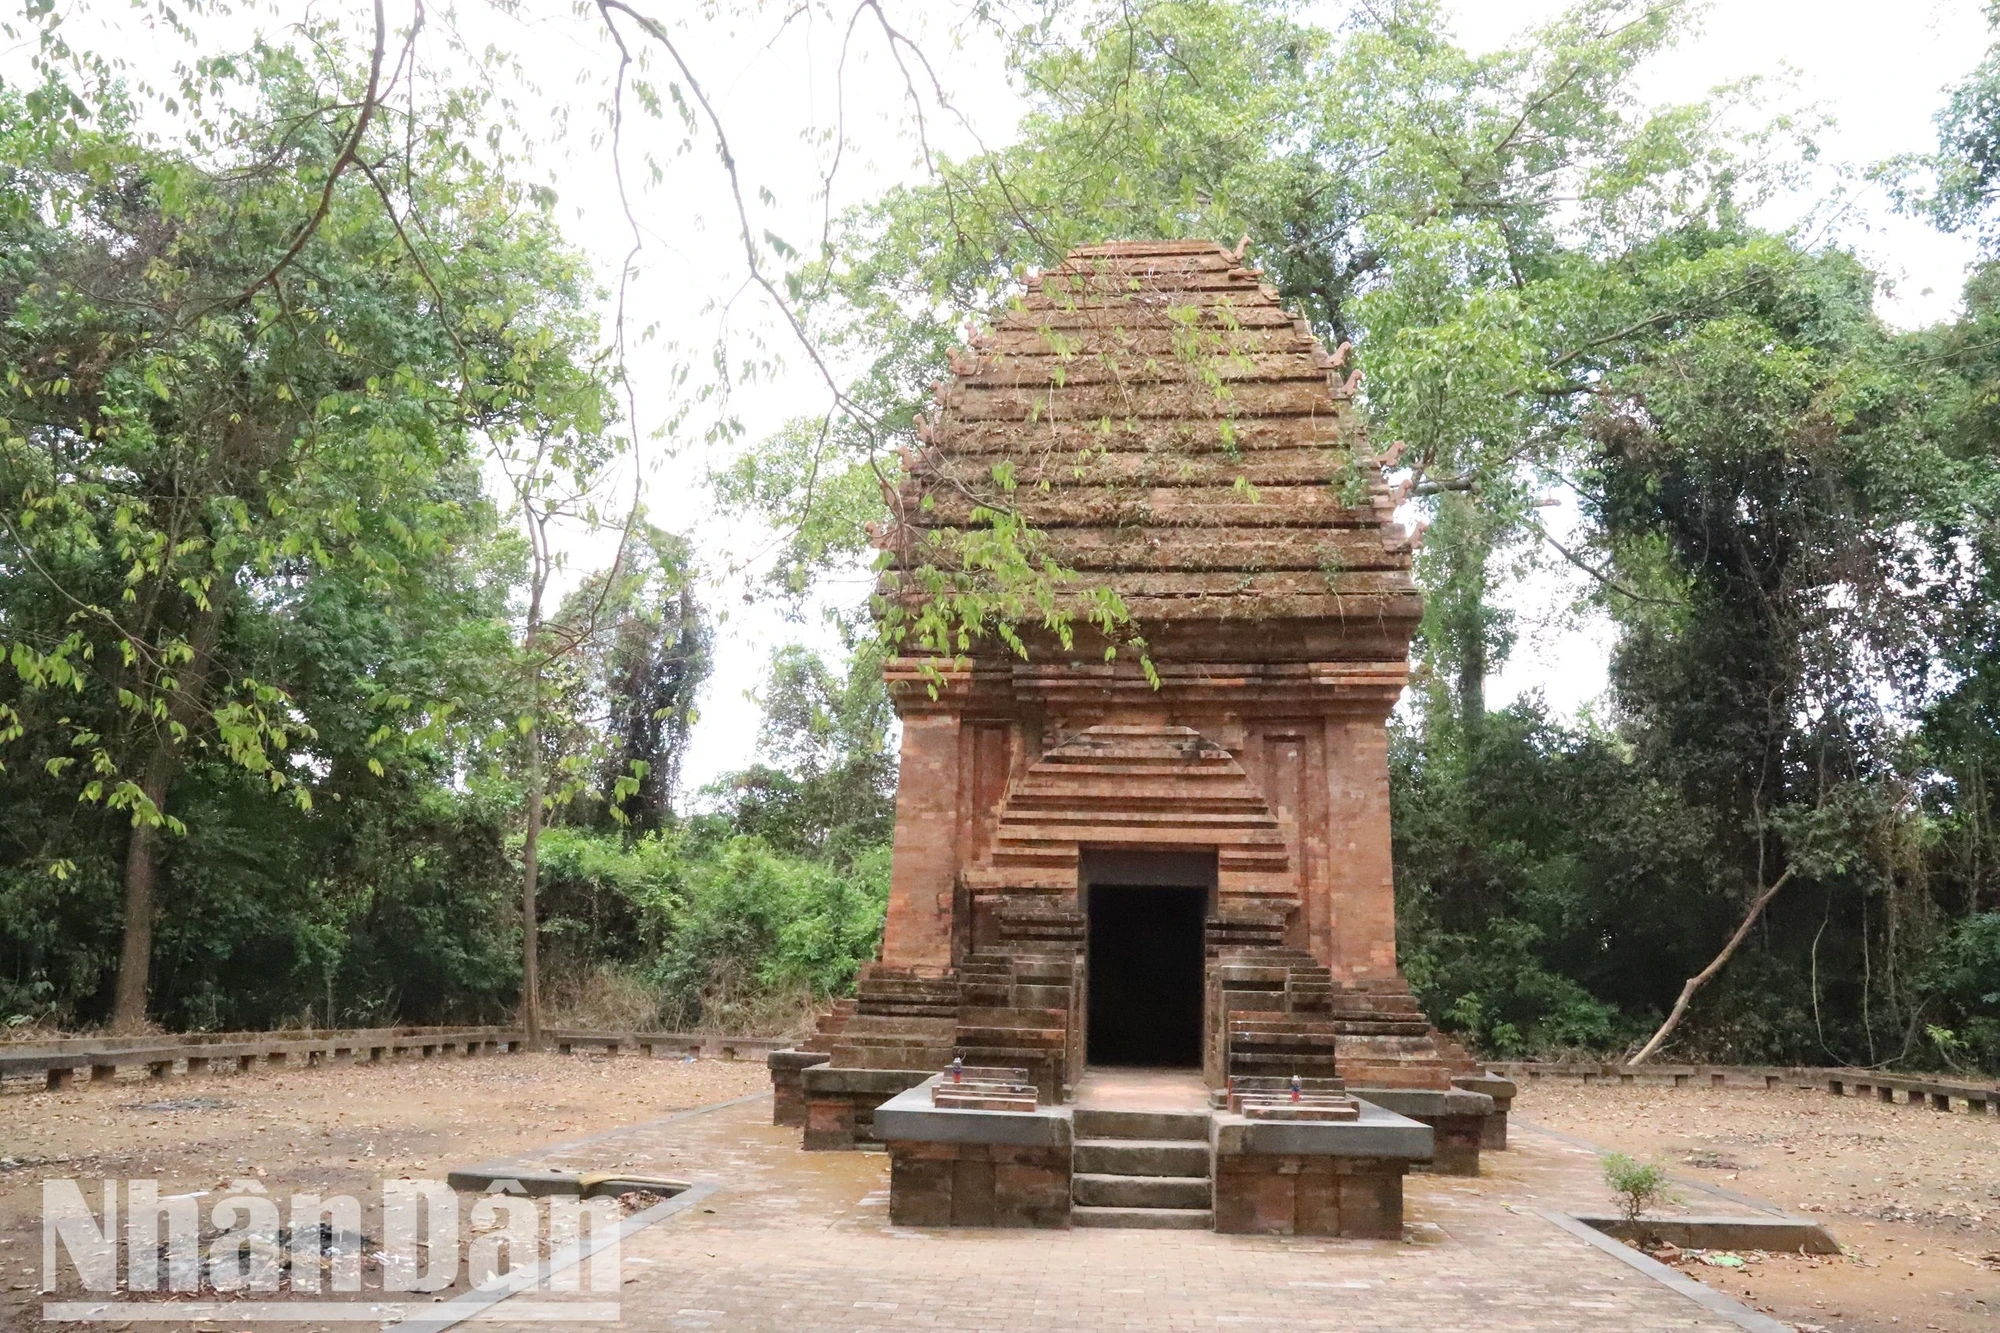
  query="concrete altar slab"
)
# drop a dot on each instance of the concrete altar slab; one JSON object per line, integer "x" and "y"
{"x": 1379, "y": 1133}
{"x": 1426, "y": 1103}
{"x": 910, "y": 1117}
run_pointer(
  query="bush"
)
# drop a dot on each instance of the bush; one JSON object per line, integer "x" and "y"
{"x": 1962, "y": 978}
{"x": 716, "y": 929}
{"x": 1638, "y": 1185}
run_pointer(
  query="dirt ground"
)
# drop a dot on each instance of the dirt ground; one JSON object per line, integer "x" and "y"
{"x": 1911, "y": 1194}
{"x": 336, "y": 1130}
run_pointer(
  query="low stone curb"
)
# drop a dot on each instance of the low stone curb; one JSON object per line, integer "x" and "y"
{"x": 1715, "y": 1302}
{"x": 1940, "y": 1094}
{"x": 59, "y": 1062}
{"x": 1793, "y": 1235}
{"x": 561, "y": 1184}
{"x": 474, "y": 1304}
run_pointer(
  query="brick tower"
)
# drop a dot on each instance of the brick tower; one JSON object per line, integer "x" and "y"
{"x": 1090, "y": 864}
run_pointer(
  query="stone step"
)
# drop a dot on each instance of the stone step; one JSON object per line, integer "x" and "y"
{"x": 1266, "y": 1043}
{"x": 1261, "y": 1039}
{"x": 1025, "y": 1038}
{"x": 1256, "y": 1084}
{"x": 1102, "y": 1191}
{"x": 890, "y": 1057}
{"x": 1096, "y": 1123}
{"x": 1285, "y": 1064}
{"x": 890, "y": 1024}
{"x": 1386, "y": 1027}
{"x": 1144, "y": 1219}
{"x": 1045, "y": 1066}
{"x": 859, "y": 1035}
{"x": 1435, "y": 1076}
{"x": 1140, "y": 1157}
{"x": 906, "y": 994}
{"x": 1361, "y": 1002}
{"x": 1039, "y": 1063}
{"x": 1263, "y": 1021}
{"x": 1011, "y": 1016}
{"x": 913, "y": 990}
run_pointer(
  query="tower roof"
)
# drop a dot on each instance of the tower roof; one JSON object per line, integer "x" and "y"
{"x": 1169, "y": 430}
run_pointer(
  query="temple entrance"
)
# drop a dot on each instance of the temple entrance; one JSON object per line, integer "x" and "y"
{"x": 1145, "y": 975}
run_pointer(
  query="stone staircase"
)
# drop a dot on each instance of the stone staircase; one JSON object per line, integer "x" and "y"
{"x": 1283, "y": 1014}
{"x": 1142, "y": 1169}
{"x": 1274, "y": 1002}
{"x": 900, "y": 1021}
{"x": 831, "y": 1024}
{"x": 1279, "y": 1046}
{"x": 1386, "y": 1042}
{"x": 1019, "y": 1011}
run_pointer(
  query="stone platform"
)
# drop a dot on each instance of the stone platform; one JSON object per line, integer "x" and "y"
{"x": 1142, "y": 1149}
{"x": 1335, "y": 1178}
{"x": 1457, "y": 1119}
{"x": 792, "y": 1241}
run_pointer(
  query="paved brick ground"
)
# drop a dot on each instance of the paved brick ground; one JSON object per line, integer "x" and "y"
{"x": 798, "y": 1243}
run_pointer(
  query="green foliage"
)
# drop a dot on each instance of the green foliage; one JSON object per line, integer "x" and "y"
{"x": 253, "y": 600}
{"x": 718, "y": 925}
{"x": 754, "y": 918}
{"x": 252, "y": 595}
{"x": 1546, "y": 893}
{"x": 832, "y": 788}
{"x": 1961, "y": 977}
{"x": 186, "y": 423}
{"x": 1638, "y": 1185}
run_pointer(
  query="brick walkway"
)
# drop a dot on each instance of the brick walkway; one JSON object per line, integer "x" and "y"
{"x": 799, "y": 1243}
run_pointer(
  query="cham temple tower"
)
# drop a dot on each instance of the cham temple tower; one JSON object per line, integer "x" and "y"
{"x": 1172, "y": 898}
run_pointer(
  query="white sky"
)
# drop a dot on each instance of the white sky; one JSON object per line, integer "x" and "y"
{"x": 1878, "y": 73}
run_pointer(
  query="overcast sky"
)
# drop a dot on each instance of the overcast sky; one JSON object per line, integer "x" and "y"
{"x": 1878, "y": 72}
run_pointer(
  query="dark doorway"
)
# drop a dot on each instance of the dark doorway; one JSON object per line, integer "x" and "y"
{"x": 1145, "y": 975}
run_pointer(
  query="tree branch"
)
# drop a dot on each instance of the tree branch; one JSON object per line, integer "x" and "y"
{"x": 1702, "y": 978}
{"x": 348, "y": 156}
{"x": 1613, "y": 584}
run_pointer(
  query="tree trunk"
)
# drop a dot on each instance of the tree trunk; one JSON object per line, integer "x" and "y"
{"x": 531, "y": 989}
{"x": 1472, "y": 669}
{"x": 1467, "y": 619}
{"x": 142, "y": 862}
{"x": 1702, "y": 978}
{"x": 142, "y": 849}
{"x": 531, "y": 981}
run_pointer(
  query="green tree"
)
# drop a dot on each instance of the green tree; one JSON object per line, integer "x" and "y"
{"x": 1479, "y": 228}
{"x": 831, "y": 788}
{"x": 237, "y": 367}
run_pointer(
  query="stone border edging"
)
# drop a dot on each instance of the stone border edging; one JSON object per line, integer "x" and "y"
{"x": 1940, "y": 1093}
{"x": 59, "y": 1061}
{"x": 1772, "y": 1235}
{"x": 1715, "y": 1302}
{"x": 472, "y": 1304}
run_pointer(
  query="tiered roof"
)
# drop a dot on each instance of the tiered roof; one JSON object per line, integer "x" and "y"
{"x": 1174, "y": 433}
